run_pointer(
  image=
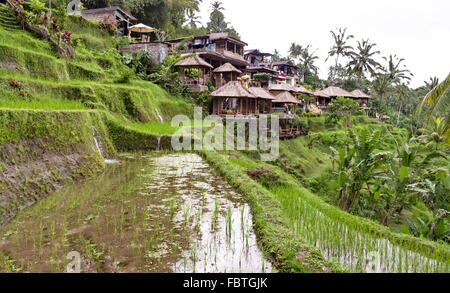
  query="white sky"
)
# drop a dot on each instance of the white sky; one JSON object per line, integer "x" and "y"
{"x": 416, "y": 30}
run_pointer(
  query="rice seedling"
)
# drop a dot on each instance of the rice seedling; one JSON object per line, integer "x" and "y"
{"x": 229, "y": 222}
{"x": 9, "y": 264}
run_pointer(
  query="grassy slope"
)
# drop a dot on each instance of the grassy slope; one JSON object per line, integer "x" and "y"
{"x": 90, "y": 81}
{"x": 274, "y": 197}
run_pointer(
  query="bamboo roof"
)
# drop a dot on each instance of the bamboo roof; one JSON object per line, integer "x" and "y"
{"x": 193, "y": 61}
{"x": 286, "y": 97}
{"x": 233, "y": 89}
{"x": 360, "y": 94}
{"x": 227, "y": 67}
{"x": 262, "y": 93}
{"x": 282, "y": 87}
{"x": 303, "y": 90}
{"x": 333, "y": 91}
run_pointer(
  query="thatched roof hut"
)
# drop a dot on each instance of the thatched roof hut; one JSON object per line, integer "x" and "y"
{"x": 360, "y": 94}
{"x": 333, "y": 91}
{"x": 193, "y": 62}
{"x": 262, "y": 93}
{"x": 302, "y": 90}
{"x": 233, "y": 89}
{"x": 282, "y": 87}
{"x": 286, "y": 98}
{"x": 227, "y": 67}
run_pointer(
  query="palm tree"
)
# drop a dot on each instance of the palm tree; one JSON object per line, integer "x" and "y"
{"x": 381, "y": 86}
{"x": 217, "y": 6}
{"x": 295, "y": 50}
{"x": 436, "y": 104}
{"x": 340, "y": 48}
{"x": 192, "y": 18}
{"x": 363, "y": 60}
{"x": 434, "y": 81}
{"x": 307, "y": 60}
{"x": 395, "y": 71}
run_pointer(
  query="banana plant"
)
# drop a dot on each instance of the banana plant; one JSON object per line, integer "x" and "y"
{"x": 356, "y": 165}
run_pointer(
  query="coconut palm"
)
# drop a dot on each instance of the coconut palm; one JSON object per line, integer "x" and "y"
{"x": 340, "y": 48}
{"x": 362, "y": 60}
{"x": 295, "y": 50}
{"x": 192, "y": 18}
{"x": 217, "y": 6}
{"x": 436, "y": 104}
{"x": 307, "y": 59}
{"x": 381, "y": 86}
{"x": 394, "y": 69}
{"x": 432, "y": 83}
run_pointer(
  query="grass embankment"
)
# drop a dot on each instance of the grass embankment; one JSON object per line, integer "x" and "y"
{"x": 43, "y": 150}
{"x": 288, "y": 252}
{"x": 336, "y": 232}
{"x": 33, "y": 76}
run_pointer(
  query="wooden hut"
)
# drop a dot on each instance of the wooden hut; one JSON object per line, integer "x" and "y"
{"x": 285, "y": 101}
{"x": 325, "y": 96}
{"x": 362, "y": 98}
{"x": 225, "y": 73}
{"x": 265, "y": 98}
{"x": 195, "y": 72}
{"x": 234, "y": 99}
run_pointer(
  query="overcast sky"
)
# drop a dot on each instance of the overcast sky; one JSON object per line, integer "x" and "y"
{"x": 416, "y": 30}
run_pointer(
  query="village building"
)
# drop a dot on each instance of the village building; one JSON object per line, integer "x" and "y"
{"x": 236, "y": 99}
{"x": 362, "y": 98}
{"x": 216, "y": 49}
{"x": 326, "y": 96}
{"x": 285, "y": 101}
{"x": 139, "y": 34}
{"x": 288, "y": 71}
{"x": 259, "y": 70}
{"x": 223, "y": 52}
{"x": 224, "y": 74}
{"x": 194, "y": 72}
{"x": 123, "y": 18}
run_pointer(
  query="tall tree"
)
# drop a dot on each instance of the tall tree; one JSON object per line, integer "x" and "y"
{"x": 381, "y": 86}
{"x": 307, "y": 59}
{"x": 217, "y": 6}
{"x": 362, "y": 60}
{"x": 394, "y": 69}
{"x": 431, "y": 83}
{"x": 192, "y": 18}
{"x": 295, "y": 50}
{"x": 217, "y": 23}
{"x": 340, "y": 48}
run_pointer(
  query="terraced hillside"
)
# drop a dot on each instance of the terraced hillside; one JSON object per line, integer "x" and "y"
{"x": 55, "y": 113}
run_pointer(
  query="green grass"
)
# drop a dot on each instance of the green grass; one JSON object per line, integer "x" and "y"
{"x": 44, "y": 104}
{"x": 156, "y": 128}
{"x": 288, "y": 252}
{"x": 331, "y": 229}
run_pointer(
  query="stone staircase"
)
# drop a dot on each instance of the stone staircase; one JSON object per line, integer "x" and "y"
{"x": 7, "y": 19}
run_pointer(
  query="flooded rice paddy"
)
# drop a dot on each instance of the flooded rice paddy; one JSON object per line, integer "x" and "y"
{"x": 149, "y": 213}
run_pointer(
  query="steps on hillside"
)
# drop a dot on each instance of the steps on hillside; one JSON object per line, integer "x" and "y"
{"x": 7, "y": 19}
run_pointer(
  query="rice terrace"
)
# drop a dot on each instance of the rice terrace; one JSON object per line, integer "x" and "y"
{"x": 137, "y": 138}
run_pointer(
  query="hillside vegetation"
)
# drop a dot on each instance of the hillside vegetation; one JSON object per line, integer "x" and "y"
{"x": 33, "y": 76}
{"x": 59, "y": 116}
